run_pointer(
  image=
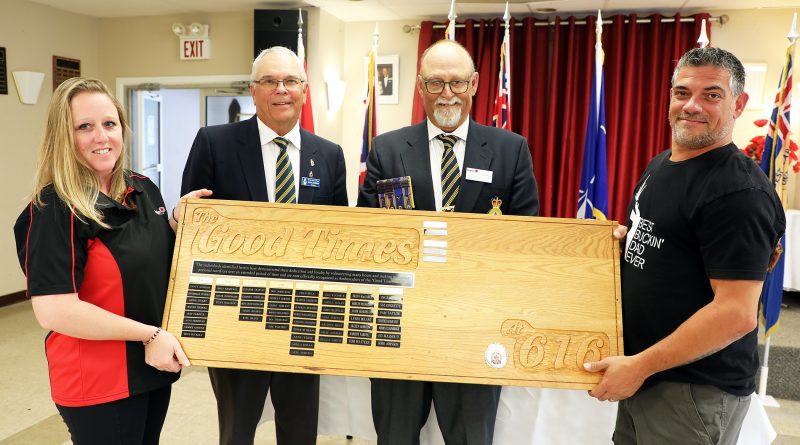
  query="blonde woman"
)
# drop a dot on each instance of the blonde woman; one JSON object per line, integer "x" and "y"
{"x": 95, "y": 244}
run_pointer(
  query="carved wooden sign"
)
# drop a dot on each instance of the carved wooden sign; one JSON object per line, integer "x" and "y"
{"x": 415, "y": 295}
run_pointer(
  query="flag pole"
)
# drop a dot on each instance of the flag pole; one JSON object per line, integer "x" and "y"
{"x": 598, "y": 33}
{"x": 507, "y": 67}
{"x": 450, "y": 34}
{"x": 374, "y": 100}
{"x": 703, "y": 39}
{"x": 307, "y": 113}
{"x": 768, "y": 400}
{"x": 371, "y": 111}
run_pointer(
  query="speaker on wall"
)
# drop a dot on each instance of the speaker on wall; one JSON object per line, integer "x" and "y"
{"x": 277, "y": 27}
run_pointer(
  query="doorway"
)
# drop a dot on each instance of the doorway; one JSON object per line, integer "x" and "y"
{"x": 165, "y": 115}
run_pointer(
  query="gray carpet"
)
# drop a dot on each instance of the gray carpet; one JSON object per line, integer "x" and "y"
{"x": 784, "y": 353}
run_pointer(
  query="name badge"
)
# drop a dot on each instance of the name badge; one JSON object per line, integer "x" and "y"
{"x": 309, "y": 182}
{"x": 476, "y": 174}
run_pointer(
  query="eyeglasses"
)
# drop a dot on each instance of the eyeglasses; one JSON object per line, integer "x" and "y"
{"x": 271, "y": 84}
{"x": 436, "y": 86}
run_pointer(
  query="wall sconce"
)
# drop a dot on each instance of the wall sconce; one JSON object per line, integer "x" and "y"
{"x": 194, "y": 41}
{"x": 336, "y": 88}
{"x": 29, "y": 83}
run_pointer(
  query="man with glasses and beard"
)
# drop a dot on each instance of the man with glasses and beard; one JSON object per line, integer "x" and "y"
{"x": 456, "y": 165}
{"x": 268, "y": 158}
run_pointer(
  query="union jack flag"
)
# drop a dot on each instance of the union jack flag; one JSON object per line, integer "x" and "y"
{"x": 775, "y": 162}
{"x": 502, "y": 103}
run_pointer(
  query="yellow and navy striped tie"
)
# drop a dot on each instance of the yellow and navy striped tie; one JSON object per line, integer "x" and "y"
{"x": 284, "y": 177}
{"x": 451, "y": 174}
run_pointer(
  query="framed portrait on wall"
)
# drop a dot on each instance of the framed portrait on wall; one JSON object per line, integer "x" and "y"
{"x": 387, "y": 81}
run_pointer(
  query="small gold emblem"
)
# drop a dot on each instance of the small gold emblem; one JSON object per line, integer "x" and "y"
{"x": 312, "y": 162}
{"x": 495, "y": 210}
{"x": 311, "y": 173}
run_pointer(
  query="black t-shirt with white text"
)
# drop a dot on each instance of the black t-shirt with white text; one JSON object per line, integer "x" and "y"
{"x": 715, "y": 216}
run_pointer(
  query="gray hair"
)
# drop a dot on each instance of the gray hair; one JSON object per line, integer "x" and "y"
{"x": 282, "y": 50}
{"x": 716, "y": 57}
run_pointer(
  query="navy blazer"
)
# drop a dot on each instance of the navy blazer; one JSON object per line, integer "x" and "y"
{"x": 227, "y": 159}
{"x": 406, "y": 152}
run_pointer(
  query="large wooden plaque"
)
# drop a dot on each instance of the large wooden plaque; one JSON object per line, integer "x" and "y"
{"x": 416, "y": 295}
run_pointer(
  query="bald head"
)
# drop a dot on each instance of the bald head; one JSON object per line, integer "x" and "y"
{"x": 446, "y": 52}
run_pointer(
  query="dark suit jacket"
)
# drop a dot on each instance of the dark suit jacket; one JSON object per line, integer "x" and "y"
{"x": 406, "y": 152}
{"x": 227, "y": 160}
{"x": 386, "y": 90}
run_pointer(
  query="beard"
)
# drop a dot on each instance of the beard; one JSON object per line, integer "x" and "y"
{"x": 450, "y": 117}
{"x": 696, "y": 141}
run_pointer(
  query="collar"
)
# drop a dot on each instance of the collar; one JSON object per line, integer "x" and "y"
{"x": 266, "y": 134}
{"x": 133, "y": 182}
{"x": 461, "y": 131}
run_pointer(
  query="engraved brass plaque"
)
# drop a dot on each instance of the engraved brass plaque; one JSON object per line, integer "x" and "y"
{"x": 435, "y": 296}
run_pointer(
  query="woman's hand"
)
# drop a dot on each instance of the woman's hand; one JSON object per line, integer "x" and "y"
{"x": 164, "y": 353}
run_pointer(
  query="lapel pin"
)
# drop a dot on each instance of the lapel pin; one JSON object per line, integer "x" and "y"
{"x": 312, "y": 162}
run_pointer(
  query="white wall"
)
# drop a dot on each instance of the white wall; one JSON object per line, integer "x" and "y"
{"x": 181, "y": 120}
{"x": 31, "y": 34}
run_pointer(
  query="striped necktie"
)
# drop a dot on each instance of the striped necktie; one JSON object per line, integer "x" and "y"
{"x": 284, "y": 177}
{"x": 451, "y": 174}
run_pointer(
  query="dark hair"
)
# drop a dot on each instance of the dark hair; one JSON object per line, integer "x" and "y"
{"x": 717, "y": 57}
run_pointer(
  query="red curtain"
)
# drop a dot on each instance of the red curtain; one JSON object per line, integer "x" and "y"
{"x": 551, "y": 73}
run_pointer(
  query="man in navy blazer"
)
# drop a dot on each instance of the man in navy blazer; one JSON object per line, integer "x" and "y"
{"x": 455, "y": 164}
{"x": 242, "y": 161}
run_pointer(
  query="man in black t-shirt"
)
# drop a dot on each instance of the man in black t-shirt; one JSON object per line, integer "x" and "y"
{"x": 704, "y": 222}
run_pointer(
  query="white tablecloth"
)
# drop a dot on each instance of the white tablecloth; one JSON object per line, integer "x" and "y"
{"x": 525, "y": 416}
{"x": 791, "y": 266}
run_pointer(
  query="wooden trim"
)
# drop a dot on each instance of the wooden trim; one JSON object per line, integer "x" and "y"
{"x": 12, "y": 298}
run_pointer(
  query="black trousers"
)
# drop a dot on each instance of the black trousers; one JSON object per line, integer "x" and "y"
{"x": 241, "y": 395}
{"x": 135, "y": 420}
{"x": 465, "y": 412}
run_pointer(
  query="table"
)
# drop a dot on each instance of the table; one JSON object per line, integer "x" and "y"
{"x": 791, "y": 267}
{"x": 525, "y": 416}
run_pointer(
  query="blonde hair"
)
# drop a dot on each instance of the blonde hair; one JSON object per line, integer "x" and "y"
{"x": 74, "y": 182}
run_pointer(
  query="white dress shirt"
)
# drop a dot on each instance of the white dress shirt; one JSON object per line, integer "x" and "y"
{"x": 437, "y": 151}
{"x": 270, "y": 151}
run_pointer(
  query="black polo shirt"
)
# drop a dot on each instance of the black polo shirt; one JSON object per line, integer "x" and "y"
{"x": 124, "y": 270}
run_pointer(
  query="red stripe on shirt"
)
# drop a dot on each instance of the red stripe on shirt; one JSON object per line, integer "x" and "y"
{"x": 72, "y": 245}
{"x": 88, "y": 372}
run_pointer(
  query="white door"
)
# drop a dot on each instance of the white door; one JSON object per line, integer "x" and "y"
{"x": 147, "y": 135}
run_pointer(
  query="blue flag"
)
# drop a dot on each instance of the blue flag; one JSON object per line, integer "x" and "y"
{"x": 775, "y": 163}
{"x": 593, "y": 194}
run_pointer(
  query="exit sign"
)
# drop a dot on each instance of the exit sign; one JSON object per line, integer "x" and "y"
{"x": 195, "y": 49}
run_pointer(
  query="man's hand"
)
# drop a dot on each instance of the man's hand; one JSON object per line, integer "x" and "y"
{"x": 623, "y": 377}
{"x": 620, "y": 231}
{"x": 177, "y": 212}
